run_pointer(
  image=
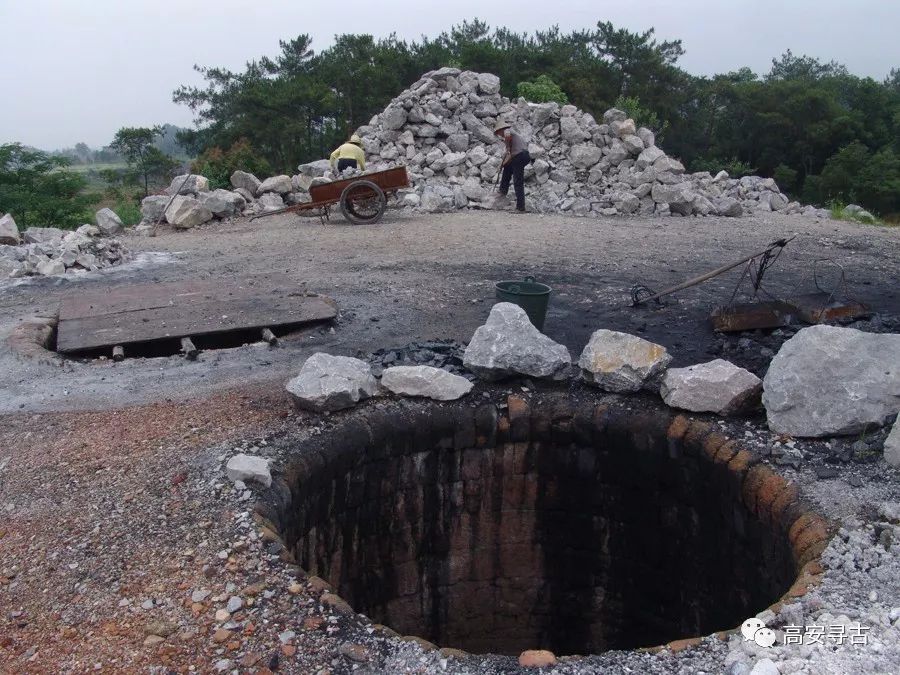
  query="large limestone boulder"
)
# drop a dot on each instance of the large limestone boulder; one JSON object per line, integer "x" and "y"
{"x": 9, "y": 231}
{"x": 508, "y": 344}
{"x": 622, "y": 363}
{"x": 327, "y": 383}
{"x": 187, "y": 212}
{"x": 584, "y": 155}
{"x": 488, "y": 84}
{"x": 108, "y": 222}
{"x": 280, "y": 184}
{"x": 247, "y": 181}
{"x": 426, "y": 381}
{"x": 153, "y": 208}
{"x": 195, "y": 183}
{"x": 718, "y": 386}
{"x": 271, "y": 201}
{"x": 315, "y": 169}
{"x": 828, "y": 381}
{"x": 394, "y": 117}
{"x": 222, "y": 203}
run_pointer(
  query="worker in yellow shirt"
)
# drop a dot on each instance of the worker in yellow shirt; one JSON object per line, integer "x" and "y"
{"x": 350, "y": 154}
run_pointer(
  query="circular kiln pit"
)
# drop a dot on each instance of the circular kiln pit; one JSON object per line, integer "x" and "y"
{"x": 570, "y": 526}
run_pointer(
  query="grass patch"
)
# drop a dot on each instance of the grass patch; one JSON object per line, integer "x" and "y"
{"x": 838, "y": 211}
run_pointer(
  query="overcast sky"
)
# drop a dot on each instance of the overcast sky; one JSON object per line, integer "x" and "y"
{"x": 77, "y": 70}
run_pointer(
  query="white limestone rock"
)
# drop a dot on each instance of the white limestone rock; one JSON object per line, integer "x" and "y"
{"x": 622, "y": 363}
{"x": 9, "y": 231}
{"x": 508, "y": 344}
{"x": 829, "y": 381}
{"x": 108, "y": 222}
{"x": 153, "y": 208}
{"x": 187, "y": 212}
{"x": 327, "y": 383}
{"x": 194, "y": 183}
{"x": 717, "y": 386}
{"x": 248, "y": 468}
{"x": 222, "y": 203}
{"x": 279, "y": 184}
{"x": 425, "y": 381}
{"x": 246, "y": 181}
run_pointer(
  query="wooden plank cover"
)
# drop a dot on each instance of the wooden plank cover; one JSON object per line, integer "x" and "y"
{"x": 147, "y": 312}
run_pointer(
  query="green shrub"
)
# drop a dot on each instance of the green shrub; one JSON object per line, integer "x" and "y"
{"x": 217, "y": 164}
{"x": 733, "y": 166}
{"x": 129, "y": 212}
{"x": 38, "y": 190}
{"x": 786, "y": 177}
{"x": 542, "y": 90}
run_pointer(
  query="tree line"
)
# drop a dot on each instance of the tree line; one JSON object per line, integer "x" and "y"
{"x": 821, "y": 132}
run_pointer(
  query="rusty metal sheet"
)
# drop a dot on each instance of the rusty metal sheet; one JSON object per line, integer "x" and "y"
{"x": 151, "y": 312}
{"x": 822, "y": 307}
{"x": 750, "y": 316}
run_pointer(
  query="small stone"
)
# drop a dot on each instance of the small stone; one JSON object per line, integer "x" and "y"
{"x": 537, "y": 658}
{"x": 249, "y": 468}
{"x": 765, "y": 667}
{"x": 286, "y": 636}
{"x": 160, "y": 627}
{"x": 151, "y": 640}
{"x": 234, "y": 604}
{"x": 200, "y": 595}
{"x": 147, "y": 604}
{"x": 825, "y": 472}
{"x": 222, "y": 635}
{"x": 222, "y": 615}
{"x": 354, "y": 652}
{"x": 294, "y": 588}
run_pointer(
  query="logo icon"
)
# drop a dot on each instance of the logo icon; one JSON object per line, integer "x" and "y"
{"x": 749, "y": 628}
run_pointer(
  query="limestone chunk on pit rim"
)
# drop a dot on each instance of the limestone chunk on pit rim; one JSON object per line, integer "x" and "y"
{"x": 425, "y": 381}
{"x": 892, "y": 445}
{"x": 508, "y": 344}
{"x": 243, "y": 467}
{"x": 327, "y": 383}
{"x": 828, "y": 381}
{"x": 622, "y": 363}
{"x": 717, "y": 386}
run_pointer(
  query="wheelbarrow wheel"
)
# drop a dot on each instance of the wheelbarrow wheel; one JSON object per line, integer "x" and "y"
{"x": 363, "y": 202}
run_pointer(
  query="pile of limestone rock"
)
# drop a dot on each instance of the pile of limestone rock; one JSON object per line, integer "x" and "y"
{"x": 50, "y": 251}
{"x": 441, "y": 128}
{"x": 804, "y": 392}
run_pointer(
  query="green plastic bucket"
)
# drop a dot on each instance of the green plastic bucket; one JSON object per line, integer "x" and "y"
{"x": 529, "y": 295}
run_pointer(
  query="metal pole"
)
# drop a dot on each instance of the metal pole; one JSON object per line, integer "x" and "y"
{"x": 716, "y": 272}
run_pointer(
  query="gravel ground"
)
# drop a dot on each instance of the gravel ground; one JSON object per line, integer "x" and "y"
{"x": 120, "y": 538}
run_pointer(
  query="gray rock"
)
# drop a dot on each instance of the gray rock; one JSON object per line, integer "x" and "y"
{"x": 249, "y": 468}
{"x": 614, "y": 115}
{"x": 668, "y": 164}
{"x": 488, "y": 84}
{"x": 508, "y": 344}
{"x": 245, "y": 194}
{"x": 458, "y": 142}
{"x": 222, "y": 203}
{"x": 187, "y": 212}
{"x": 245, "y": 181}
{"x": 108, "y": 222}
{"x": 728, "y": 206}
{"x": 280, "y": 184}
{"x": 315, "y": 169}
{"x": 718, "y": 386}
{"x": 271, "y": 201}
{"x": 195, "y": 183}
{"x": 584, "y": 155}
{"x": 622, "y": 363}
{"x": 153, "y": 208}
{"x": 722, "y": 175}
{"x": 647, "y": 136}
{"x": 9, "y": 231}
{"x": 571, "y": 132}
{"x": 50, "y": 267}
{"x": 327, "y": 383}
{"x": 623, "y": 128}
{"x": 426, "y": 381}
{"x": 828, "y": 381}
{"x": 394, "y": 117}
{"x": 633, "y": 144}
{"x": 892, "y": 446}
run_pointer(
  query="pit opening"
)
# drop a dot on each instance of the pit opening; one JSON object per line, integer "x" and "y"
{"x": 559, "y": 524}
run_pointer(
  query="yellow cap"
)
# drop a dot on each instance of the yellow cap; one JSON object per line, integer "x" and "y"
{"x": 356, "y": 139}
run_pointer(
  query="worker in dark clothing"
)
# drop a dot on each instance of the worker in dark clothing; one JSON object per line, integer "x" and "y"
{"x": 514, "y": 162}
{"x": 349, "y": 155}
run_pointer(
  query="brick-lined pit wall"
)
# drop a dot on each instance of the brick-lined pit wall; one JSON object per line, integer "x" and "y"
{"x": 555, "y": 524}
